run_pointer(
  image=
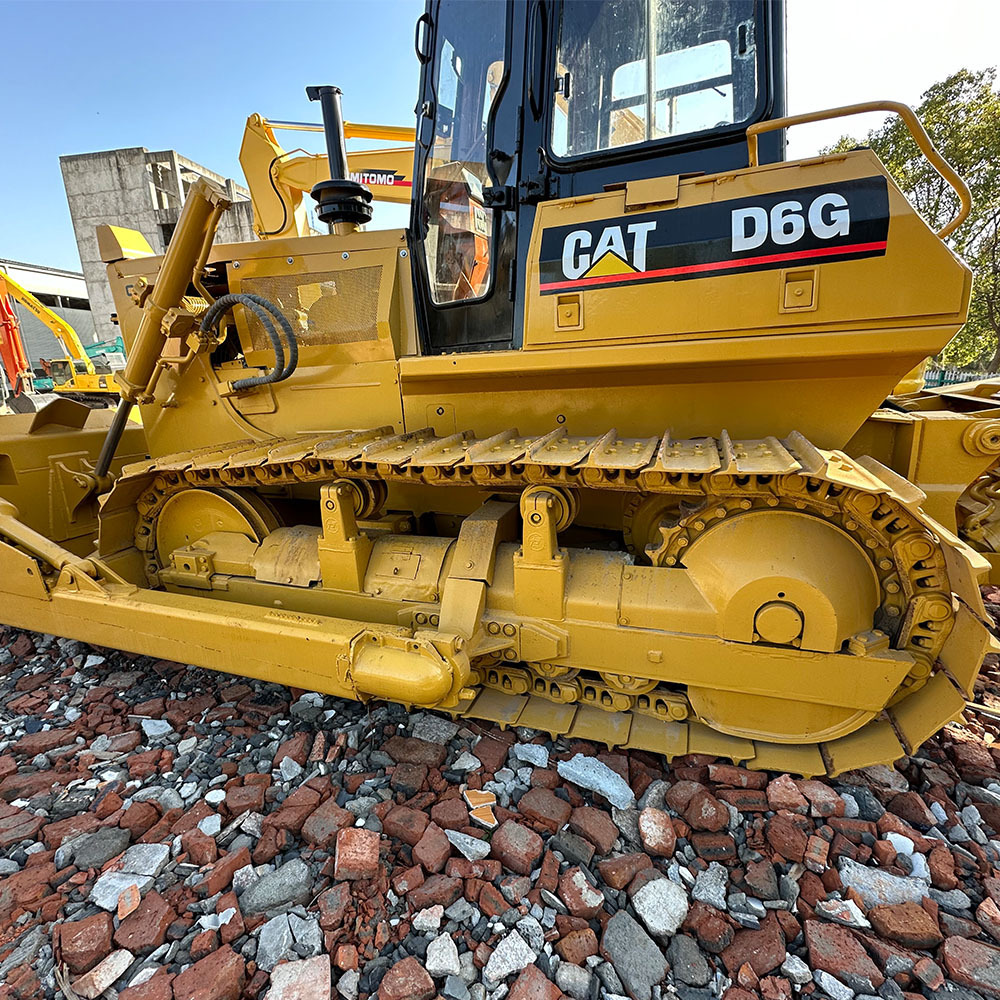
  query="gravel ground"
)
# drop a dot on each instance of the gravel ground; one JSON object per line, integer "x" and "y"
{"x": 167, "y": 833}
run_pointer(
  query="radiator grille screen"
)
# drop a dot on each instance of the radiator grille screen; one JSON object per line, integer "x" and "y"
{"x": 331, "y": 307}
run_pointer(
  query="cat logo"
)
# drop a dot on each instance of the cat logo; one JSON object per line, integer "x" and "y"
{"x": 619, "y": 250}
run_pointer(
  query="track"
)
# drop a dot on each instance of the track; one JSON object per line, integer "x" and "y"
{"x": 684, "y": 496}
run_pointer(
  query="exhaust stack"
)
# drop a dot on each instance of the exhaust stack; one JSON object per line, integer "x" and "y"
{"x": 338, "y": 200}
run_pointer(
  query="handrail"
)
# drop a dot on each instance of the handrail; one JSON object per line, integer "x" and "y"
{"x": 920, "y": 137}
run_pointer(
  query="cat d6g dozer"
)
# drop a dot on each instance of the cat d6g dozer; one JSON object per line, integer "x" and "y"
{"x": 567, "y": 453}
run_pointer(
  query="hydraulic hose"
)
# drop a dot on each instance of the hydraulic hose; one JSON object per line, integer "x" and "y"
{"x": 264, "y": 310}
{"x": 261, "y": 308}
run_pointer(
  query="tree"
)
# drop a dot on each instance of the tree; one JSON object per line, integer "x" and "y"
{"x": 962, "y": 116}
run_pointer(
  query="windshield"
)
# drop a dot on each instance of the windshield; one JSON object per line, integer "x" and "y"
{"x": 693, "y": 62}
{"x": 60, "y": 372}
{"x": 468, "y": 70}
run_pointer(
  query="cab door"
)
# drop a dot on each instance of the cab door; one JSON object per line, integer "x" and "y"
{"x": 464, "y": 220}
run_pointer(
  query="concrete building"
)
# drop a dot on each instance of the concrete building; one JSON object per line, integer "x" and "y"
{"x": 139, "y": 190}
{"x": 65, "y": 293}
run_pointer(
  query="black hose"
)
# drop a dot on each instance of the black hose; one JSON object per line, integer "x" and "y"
{"x": 260, "y": 307}
{"x": 284, "y": 207}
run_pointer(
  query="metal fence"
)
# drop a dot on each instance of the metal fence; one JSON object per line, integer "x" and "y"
{"x": 935, "y": 377}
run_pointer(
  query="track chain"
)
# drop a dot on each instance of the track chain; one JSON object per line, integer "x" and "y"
{"x": 930, "y": 603}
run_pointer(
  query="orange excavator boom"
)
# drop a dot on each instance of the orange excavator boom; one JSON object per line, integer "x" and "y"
{"x": 16, "y": 366}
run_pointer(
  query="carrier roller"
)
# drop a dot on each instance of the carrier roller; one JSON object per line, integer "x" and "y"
{"x": 782, "y": 606}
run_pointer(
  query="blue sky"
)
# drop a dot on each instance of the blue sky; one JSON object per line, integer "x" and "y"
{"x": 94, "y": 74}
{"x": 80, "y": 76}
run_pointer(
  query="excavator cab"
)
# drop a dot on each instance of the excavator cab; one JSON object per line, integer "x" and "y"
{"x": 64, "y": 370}
{"x": 524, "y": 103}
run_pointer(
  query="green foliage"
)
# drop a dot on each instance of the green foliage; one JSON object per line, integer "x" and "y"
{"x": 962, "y": 116}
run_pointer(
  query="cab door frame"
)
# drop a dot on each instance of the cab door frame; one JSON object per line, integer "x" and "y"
{"x": 485, "y": 323}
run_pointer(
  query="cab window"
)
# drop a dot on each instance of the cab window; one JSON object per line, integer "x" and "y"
{"x": 468, "y": 71}
{"x": 635, "y": 71}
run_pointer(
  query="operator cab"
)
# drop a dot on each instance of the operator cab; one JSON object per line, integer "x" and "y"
{"x": 63, "y": 370}
{"x": 596, "y": 96}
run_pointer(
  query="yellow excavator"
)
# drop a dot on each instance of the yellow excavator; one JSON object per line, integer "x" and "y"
{"x": 74, "y": 375}
{"x": 579, "y": 449}
{"x": 280, "y": 180}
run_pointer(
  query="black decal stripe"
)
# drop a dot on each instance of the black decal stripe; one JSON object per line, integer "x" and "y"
{"x": 697, "y": 241}
{"x": 735, "y": 266}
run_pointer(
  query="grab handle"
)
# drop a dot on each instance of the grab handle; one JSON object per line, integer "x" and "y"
{"x": 920, "y": 137}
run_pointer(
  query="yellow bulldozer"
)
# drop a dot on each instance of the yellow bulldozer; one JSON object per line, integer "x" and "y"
{"x": 600, "y": 445}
